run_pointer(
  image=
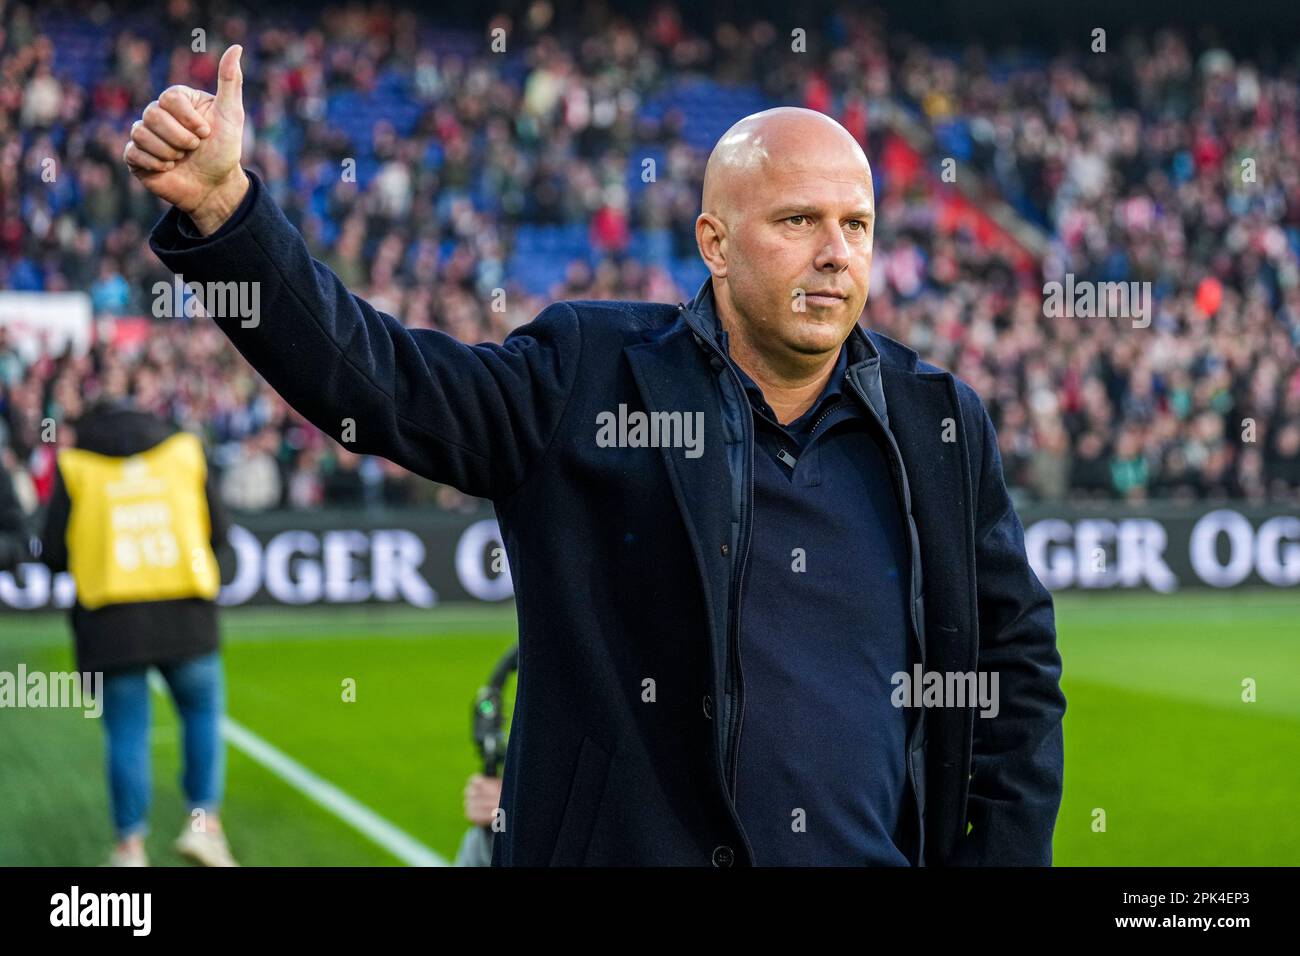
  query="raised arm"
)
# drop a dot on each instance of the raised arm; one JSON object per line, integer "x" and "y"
{"x": 478, "y": 417}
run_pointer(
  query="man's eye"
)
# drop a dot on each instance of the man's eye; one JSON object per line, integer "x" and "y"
{"x": 861, "y": 225}
{"x": 791, "y": 219}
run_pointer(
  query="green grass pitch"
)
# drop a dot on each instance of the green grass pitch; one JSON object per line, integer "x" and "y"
{"x": 1157, "y": 735}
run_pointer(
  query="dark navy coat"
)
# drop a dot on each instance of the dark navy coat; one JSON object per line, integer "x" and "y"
{"x": 625, "y": 559}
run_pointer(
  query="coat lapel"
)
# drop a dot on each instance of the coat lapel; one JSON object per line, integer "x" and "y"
{"x": 926, "y": 423}
{"x": 926, "y": 411}
{"x": 672, "y": 374}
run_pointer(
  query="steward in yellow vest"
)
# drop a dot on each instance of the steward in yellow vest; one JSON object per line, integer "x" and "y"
{"x": 132, "y": 517}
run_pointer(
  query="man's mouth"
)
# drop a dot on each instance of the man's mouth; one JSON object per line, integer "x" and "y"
{"x": 824, "y": 298}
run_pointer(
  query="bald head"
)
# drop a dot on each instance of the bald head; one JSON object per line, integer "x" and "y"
{"x": 786, "y": 227}
{"x": 783, "y": 137}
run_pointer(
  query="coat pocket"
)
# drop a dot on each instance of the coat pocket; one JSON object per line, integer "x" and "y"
{"x": 590, "y": 777}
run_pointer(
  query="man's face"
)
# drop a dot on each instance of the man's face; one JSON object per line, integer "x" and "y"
{"x": 803, "y": 229}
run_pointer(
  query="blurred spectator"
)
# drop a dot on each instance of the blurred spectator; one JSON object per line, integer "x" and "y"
{"x": 252, "y": 481}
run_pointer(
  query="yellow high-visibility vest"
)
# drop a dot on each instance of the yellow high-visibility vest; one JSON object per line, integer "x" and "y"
{"x": 139, "y": 527}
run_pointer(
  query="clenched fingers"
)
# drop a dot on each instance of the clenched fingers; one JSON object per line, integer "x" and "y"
{"x": 152, "y": 144}
{"x": 159, "y": 121}
{"x": 136, "y": 158}
{"x": 179, "y": 102}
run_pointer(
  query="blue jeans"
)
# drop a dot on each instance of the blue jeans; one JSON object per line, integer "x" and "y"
{"x": 198, "y": 689}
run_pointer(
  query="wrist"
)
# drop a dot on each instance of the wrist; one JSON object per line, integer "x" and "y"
{"x": 220, "y": 204}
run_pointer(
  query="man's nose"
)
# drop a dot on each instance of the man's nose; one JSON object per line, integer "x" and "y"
{"x": 834, "y": 253}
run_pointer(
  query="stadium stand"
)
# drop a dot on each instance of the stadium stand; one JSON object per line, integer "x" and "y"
{"x": 573, "y": 170}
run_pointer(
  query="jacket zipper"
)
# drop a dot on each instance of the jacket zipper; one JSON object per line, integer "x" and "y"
{"x": 822, "y": 417}
{"x": 811, "y": 432}
{"x": 737, "y": 684}
{"x": 734, "y": 684}
{"x": 895, "y": 457}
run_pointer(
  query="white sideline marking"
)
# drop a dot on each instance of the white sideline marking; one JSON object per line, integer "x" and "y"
{"x": 319, "y": 790}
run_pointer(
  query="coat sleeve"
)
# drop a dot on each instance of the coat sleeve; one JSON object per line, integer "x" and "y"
{"x": 1017, "y": 760}
{"x": 477, "y": 417}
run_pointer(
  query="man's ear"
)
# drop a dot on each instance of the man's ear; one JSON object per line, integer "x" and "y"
{"x": 711, "y": 240}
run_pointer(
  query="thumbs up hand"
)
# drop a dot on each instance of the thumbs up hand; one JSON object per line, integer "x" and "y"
{"x": 186, "y": 147}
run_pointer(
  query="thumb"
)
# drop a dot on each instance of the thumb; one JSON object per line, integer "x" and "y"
{"x": 230, "y": 83}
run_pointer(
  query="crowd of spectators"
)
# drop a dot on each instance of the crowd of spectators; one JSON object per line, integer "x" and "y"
{"x": 1150, "y": 164}
{"x": 1132, "y": 164}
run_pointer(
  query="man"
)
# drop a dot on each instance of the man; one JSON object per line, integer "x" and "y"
{"x": 731, "y": 525}
{"x": 134, "y": 519}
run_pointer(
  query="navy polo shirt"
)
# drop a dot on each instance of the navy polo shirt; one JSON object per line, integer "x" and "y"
{"x": 824, "y": 625}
